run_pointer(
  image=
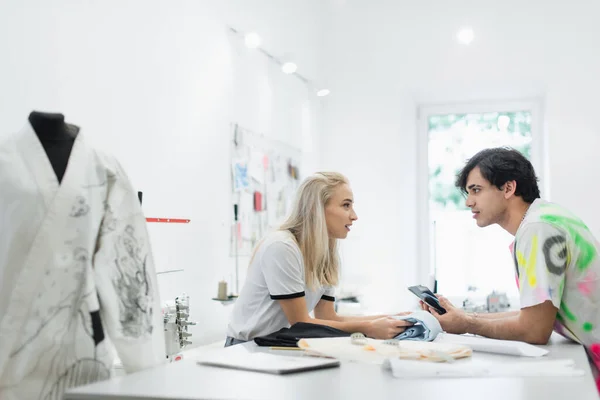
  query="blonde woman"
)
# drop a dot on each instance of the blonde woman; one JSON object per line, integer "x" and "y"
{"x": 294, "y": 270}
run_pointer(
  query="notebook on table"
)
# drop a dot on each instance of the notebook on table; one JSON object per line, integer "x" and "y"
{"x": 478, "y": 343}
{"x": 268, "y": 363}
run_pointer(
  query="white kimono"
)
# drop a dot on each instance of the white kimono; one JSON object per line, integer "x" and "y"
{"x": 76, "y": 271}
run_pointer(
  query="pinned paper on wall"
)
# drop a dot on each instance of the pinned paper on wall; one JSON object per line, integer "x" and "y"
{"x": 259, "y": 204}
{"x": 265, "y": 175}
{"x": 271, "y": 199}
{"x": 244, "y": 247}
{"x": 279, "y": 170}
{"x": 256, "y": 166}
{"x": 293, "y": 170}
{"x": 283, "y": 204}
{"x": 246, "y": 206}
{"x": 240, "y": 175}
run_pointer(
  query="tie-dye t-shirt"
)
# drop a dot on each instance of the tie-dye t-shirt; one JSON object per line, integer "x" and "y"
{"x": 557, "y": 259}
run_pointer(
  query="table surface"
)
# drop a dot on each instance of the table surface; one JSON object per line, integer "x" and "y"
{"x": 188, "y": 380}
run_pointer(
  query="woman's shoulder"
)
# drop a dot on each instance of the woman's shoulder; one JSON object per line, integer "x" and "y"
{"x": 280, "y": 236}
{"x": 279, "y": 241}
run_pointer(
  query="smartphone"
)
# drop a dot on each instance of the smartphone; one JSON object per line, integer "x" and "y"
{"x": 428, "y": 298}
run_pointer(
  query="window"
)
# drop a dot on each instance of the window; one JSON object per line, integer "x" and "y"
{"x": 466, "y": 260}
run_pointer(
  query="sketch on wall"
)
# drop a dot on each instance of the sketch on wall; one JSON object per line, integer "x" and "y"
{"x": 264, "y": 176}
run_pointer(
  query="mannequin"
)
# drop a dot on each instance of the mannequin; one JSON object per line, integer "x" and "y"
{"x": 57, "y": 138}
{"x": 76, "y": 267}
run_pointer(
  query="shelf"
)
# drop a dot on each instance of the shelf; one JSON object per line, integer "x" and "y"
{"x": 230, "y": 299}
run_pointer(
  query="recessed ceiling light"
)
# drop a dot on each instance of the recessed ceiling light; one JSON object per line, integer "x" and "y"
{"x": 252, "y": 40}
{"x": 323, "y": 92}
{"x": 289, "y": 67}
{"x": 465, "y": 36}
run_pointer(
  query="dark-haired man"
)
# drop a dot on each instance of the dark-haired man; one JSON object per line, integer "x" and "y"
{"x": 556, "y": 257}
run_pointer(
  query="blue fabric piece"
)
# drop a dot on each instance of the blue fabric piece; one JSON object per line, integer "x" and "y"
{"x": 232, "y": 341}
{"x": 426, "y": 327}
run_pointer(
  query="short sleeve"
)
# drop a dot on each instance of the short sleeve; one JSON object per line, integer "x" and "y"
{"x": 283, "y": 270}
{"x": 542, "y": 257}
{"x": 329, "y": 294}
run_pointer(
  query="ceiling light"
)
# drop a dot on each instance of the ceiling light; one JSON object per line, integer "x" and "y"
{"x": 252, "y": 40}
{"x": 465, "y": 36}
{"x": 289, "y": 67}
{"x": 323, "y": 92}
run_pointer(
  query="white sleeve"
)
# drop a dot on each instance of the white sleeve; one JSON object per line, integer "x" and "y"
{"x": 281, "y": 264}
{"x": 126, "y": 279}
{"x": 329, "y": 294}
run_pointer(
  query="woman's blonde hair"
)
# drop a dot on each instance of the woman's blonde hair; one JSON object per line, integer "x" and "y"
{"x": 308, "y": 225}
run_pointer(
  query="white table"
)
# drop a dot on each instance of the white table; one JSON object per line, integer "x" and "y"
{"x": 187, "y": 380}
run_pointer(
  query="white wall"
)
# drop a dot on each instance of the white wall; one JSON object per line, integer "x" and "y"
{"x": 383, "y": 59}
{"x": 158, "y": 84}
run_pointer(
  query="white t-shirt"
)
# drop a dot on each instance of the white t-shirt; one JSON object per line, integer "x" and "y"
{"x": 557, "y": 259}
{"x": 276, "y": 273}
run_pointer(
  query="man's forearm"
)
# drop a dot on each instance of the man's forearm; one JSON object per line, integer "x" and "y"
{"x": 502, "y": 328}
{"x": 509, "y": 328}
{"x": 499, "y": 315}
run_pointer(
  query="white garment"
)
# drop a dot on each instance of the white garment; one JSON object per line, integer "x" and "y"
{"x": 276, "y": 273}
{"x": 76, "y": 270}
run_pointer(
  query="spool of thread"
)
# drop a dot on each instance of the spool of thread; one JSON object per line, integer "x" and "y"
{"x": 222, "y": 292}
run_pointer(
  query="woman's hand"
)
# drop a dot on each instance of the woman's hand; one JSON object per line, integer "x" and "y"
{"x": 385, "y": 328}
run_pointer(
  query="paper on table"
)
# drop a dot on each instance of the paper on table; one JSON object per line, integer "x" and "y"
{"x": 478, "y": 343}
{"x": 407, "y": 369}
{"x": 375, "y": 351}
{"x": 264, "y": 362}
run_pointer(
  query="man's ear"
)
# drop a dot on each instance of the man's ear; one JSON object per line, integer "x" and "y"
{"x": 509, "y": 189}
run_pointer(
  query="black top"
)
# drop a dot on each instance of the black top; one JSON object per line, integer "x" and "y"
{"x": 57, "y": 138}
{"x": 289, "y": 337}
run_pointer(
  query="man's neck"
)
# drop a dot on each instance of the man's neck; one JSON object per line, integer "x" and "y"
{"x": 514, "y": 217}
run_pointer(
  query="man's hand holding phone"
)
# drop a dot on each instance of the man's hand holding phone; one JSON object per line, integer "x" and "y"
{"x": 428, "y": 298}
{"x": 454, "y": 320}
